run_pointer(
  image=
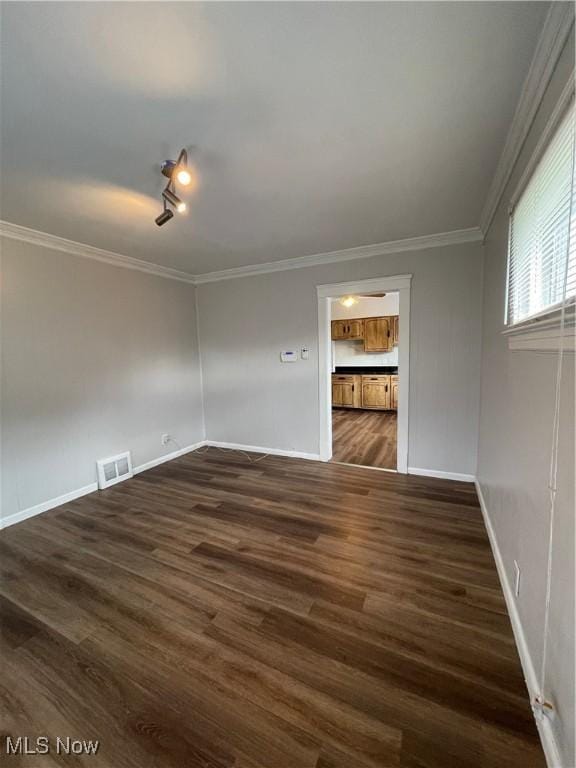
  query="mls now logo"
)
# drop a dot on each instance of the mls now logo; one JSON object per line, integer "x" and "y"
{"x": 24, "y": 745}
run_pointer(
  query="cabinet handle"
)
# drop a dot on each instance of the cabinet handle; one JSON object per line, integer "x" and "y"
{"x": 386, "y": 390}
{"x": 352, "y": 387}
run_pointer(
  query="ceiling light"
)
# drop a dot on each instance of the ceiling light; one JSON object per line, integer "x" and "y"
{"x": 175, "y": 171}
{"x": 184, "y": 177}
{"x": 348, "y": 301}
{"x": 174, "y": 200}
{"x": 165, "y": 216}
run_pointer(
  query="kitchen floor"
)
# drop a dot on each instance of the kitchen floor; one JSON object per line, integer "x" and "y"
{"x": 364, "y": 437}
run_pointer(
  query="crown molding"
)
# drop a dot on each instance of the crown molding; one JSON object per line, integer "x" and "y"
{"x": 557, "y": 26}
{"x": 472, "y": 235}
{"x": 26, "y": 235}
{"x": 17, "y": 232}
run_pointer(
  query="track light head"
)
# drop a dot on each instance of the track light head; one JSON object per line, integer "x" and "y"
{"x": 184, "y": 176}
{"x": 174, "y": 200}
{"x": 177, "y": 170}
{"x": 165, "y": 216}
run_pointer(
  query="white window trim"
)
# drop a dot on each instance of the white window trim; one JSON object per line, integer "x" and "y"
{"x": 549, "y": 329}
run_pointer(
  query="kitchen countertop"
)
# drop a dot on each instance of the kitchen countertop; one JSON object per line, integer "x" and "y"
{"x": 367, "y": 370}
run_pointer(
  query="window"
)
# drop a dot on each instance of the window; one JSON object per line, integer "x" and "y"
{"x": 542, "y": 246}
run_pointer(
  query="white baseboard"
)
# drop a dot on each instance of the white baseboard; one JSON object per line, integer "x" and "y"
{"x": 24, "y": 514}
{"x": 261, "y": 449}
{"x": 168, "y": 457}
{"x": 441, "y": 474}
{"x": 547, "y": 737}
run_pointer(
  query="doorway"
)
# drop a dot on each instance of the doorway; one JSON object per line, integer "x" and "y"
{"x": 364, "y": 372}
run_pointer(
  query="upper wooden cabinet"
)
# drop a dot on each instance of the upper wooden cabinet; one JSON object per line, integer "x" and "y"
{"x": 394, "y": 331}
{"x": 380, "y": 334}
{"x": 347, "y": 329}
{"x": 355, "y": 329}
{"x": 377, "y": 334}
{"x": 338, "y": 329}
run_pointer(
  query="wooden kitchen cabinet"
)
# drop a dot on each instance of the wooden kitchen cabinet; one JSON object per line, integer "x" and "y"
{"x": 376, "y": 392}
{"x": 355, "y": 329}
{"x": 347, "y": 329}
{"x": 338, "y": 329}
{"x": 394, "y": 393}
{"x": 377, "y": 334}
{"x": 380, "y": 334}
{"x": 395, "y": 329}
{"x": 346, "y": 390}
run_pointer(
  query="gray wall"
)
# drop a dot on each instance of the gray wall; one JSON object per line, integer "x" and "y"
{"x": 517, "y": 402}
{"x": 96, "y": 360}
{"x": 253, "y": 399}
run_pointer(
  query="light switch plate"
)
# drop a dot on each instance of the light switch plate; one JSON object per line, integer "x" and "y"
{"x": 305, "y": 353}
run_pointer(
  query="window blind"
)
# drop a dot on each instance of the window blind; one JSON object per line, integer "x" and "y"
{"x": 542, "y": 245}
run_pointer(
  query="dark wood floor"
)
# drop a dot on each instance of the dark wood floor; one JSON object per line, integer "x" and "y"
{"x": 281, "y": 614}
{"x": 364, "y": 437}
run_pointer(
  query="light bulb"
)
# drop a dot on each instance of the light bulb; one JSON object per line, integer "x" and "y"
{"x": 348, "y": 301}
{"x": 184, "y": 177}
{"x": 181, "y": 207}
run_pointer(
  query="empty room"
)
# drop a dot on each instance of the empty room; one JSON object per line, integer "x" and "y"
{"x": 287, "y": 390}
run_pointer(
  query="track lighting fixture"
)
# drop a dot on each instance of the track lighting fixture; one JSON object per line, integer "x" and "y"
{"x": 165, "y": 216}
{"x": 174, "y": 200}
{"x": 175, "y": 171}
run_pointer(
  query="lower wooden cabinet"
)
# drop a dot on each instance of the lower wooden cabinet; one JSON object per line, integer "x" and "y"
{"x": 378, "y": 392}
{"x": 394, "y": 393}
{"x": 346, "y": 391}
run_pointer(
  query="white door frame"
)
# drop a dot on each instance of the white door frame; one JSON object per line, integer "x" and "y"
{"x": 400, "y": 283}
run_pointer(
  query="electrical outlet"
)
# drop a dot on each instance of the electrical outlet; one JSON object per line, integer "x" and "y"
{"x": 165, "y": 439}
{"x": 516, "y": 579}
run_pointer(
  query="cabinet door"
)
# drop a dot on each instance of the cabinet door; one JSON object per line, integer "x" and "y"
{"x": 394, "y": 396}
{"x": 336, "y": 393}
{"x": 394, "y": 332}
{"x": 339, "y": 329}
{"x": 376, "y": 392}
{"x": 343, "y": 393}
{"x": 355, "y": 329}
{"x": 376, "y": 334}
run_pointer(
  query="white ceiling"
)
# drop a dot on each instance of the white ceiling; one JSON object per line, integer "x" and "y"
{"x": 315, "y": 126}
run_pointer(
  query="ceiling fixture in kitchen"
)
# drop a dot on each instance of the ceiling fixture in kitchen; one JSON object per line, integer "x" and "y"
{"x": 175, "y": 171}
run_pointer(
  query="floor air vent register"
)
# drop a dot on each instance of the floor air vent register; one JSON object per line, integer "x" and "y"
{"x": 114, "y": 469}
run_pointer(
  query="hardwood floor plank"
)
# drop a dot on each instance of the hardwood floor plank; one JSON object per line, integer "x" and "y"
{"x": 218, "y": 613}
{"x": 364, "y": 437}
